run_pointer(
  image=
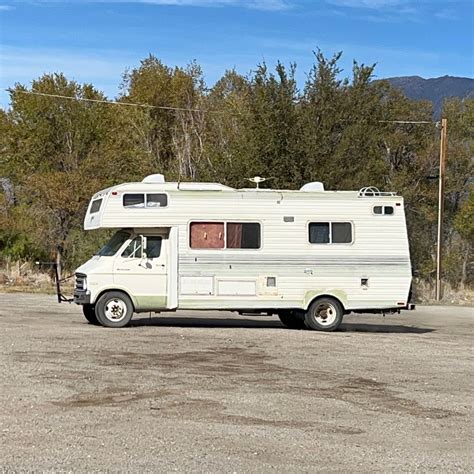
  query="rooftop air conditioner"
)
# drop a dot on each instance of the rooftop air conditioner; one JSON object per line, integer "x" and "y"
{"x": 313, "y": 187}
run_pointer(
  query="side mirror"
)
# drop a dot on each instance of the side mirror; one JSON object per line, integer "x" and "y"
{"x": 143, "y": 246}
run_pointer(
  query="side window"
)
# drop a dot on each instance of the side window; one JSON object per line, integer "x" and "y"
{"x": 96, "y": 206}
{"x": 153, "y": 247}
{"x": 383, "y": 210}
{"x": 133, "y": 249}
{"x": 156, "y": 200}
{"x": 243, "y": 235}
{"x": 133, "y": 200}
{"x": 330, "y": 232}
{"x": 341, "y": 233}
{"x": 206, "y": 235}
{"x": 319, "y": 232}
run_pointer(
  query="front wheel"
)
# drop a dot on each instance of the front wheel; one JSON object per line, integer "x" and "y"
{"x": 324, "y": 314}
{"x": 114, "y": 309}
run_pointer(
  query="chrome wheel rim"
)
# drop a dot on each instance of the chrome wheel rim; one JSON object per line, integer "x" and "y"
{"x": 115, "y": 310}
{"x": 325, "y": 314}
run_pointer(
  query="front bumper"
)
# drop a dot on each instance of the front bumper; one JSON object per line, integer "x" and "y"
{"x": 82, "y": 297}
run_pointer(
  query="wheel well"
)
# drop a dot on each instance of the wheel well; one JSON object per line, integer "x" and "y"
{"x": 327, "y": 296}
{"x": 117, "y": 290}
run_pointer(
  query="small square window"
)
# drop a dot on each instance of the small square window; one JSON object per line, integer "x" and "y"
{"x": 156, "y": 200}
{"x": 319, "y": 232}
{"x": 271, "y": 282}
{"x": 96, "y": 206}
{"x": 133, "y": 200}
{"x": 384, "y": 210}
{"x": 341, "y": 233}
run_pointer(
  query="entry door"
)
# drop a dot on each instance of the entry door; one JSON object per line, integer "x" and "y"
{"x": 144, "y": 277}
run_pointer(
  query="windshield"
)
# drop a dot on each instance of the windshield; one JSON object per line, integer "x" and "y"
{"x": 114, "y": 244}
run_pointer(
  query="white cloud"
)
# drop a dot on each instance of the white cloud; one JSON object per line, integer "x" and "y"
{"x": 5, "y": 8}
{"x": 265, "y": 5}
{"x": 371, "y": 4}
{"x": 254, "y": 4}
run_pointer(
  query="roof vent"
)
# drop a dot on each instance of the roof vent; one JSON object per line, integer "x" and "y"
{"x": 154, "y": 178}
{"x": 315, "y": 186}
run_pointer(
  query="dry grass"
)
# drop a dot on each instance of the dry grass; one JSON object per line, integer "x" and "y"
{"x": 425, "y": 293}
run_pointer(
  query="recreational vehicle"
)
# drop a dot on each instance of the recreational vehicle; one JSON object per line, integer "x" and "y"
{"x": 308, "y": 255}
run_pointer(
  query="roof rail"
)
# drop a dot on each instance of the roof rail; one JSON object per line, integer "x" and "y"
{"x": 372, "y": 191}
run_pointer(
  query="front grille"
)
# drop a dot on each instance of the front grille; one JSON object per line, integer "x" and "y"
{"x": 81, "y": 284}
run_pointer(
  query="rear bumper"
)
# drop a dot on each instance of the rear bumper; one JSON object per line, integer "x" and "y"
{"x": 82, "y": 297}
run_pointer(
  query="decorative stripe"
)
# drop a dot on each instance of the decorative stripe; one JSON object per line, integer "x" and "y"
{"x": 293, "y": 261}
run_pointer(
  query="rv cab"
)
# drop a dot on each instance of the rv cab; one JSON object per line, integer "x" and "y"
{"x": 135, "y": 261}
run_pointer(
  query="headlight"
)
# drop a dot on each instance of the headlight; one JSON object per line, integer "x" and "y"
{"x": 81, "y": 282}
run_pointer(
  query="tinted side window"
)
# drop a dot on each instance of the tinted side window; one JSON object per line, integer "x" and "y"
{"x": 341, "y": 233}
{"x": 153, "y": 247}
{"x": 156, "y": 200}
{"x": 319, "y": 232}
{"x": 387, "y": 210}
{"x": 96, "y": 205}
{"x": 133, "y": 200}
{"x": 243, "y": 235}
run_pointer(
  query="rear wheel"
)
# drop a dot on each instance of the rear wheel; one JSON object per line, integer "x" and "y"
{"x": 89, "y": 314}
{"x": 291, "y": 320}
{"x": 324, "y": 314}
{"x": 114, "y": 309}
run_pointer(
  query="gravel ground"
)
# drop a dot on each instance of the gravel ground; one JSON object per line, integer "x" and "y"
{"x": 214, "y": 392}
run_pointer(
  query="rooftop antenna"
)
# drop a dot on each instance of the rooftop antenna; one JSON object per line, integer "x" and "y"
{"x": 257, "y": 180}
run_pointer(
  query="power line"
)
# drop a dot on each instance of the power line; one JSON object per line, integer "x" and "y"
{"x": 113, "y": 102}
{"x": 409, "y": 121}
{"x": 180, "y": 109}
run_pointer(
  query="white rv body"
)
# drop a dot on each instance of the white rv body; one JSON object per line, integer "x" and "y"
{"x": 371, "y": 272}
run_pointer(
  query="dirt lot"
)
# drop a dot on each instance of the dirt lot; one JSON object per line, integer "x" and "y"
{"x": 216, "y": 392}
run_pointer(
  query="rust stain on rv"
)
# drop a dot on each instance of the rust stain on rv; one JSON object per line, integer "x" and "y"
{"x": 313, "y": 294}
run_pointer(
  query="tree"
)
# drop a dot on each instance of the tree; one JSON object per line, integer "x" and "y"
{"x": 51, "y": 154}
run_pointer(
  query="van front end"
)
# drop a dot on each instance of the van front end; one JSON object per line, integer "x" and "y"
{"x": 91, "y": 278}
{"x": 128, "y": 275}
{"x": 81, "y": 293}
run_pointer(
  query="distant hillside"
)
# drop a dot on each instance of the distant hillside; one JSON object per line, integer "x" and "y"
{"x": 435, "y": 90}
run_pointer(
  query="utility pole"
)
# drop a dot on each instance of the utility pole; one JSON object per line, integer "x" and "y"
{"x": 442, "y": 168}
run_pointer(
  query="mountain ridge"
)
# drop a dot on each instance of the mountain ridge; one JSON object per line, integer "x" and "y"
{"x": 435, "y": 89}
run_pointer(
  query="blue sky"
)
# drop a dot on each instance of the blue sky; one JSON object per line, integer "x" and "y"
{"x": 96, "y": 40}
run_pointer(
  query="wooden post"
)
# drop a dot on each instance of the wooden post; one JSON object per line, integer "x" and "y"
{"x": 58, "y": 262}
{"x": 442, "y": 168}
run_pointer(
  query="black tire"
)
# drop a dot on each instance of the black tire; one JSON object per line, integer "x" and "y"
{"x": 291, "y": 320}
{"x": 89, "y": 314}
{"x": 114, "y": 309}
{"x": 324, "y": 314}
